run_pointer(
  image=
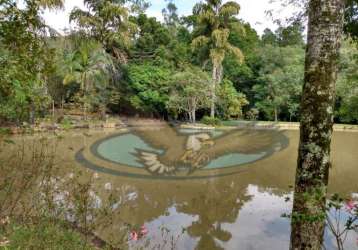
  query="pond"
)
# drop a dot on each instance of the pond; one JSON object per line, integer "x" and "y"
{"x": 204, "y": 189}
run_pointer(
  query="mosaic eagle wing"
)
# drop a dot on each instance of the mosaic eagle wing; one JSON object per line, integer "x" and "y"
{"x": 237, "y": 141}
{"x": 240, "y": 141}
{"x": 166, "y": 138}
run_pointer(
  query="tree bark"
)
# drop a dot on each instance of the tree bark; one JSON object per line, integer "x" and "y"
{"x": 212, "y": 89}
{"x": 32, "y": 113}
{"x": 322, "y": 54}
{"x": 217, "y": 78}
{"x": 190, "y": 118}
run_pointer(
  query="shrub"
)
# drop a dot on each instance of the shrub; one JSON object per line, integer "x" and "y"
{"x": 213, "y": 121}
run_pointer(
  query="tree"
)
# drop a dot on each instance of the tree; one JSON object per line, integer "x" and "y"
{"x": 323, "y": 42}
{"x": 292, "y": 35}
{"x": 170, "y": 14}
{"x": 244, "y": 75}
{"x": 89, "y": 66}
{"x": 108, "y": 23}
{"x": 351, "y": 18}
{"x": 150, "y": 34}
{"x": 281, "y": 81}
{"x": 269, "y": 37}
{"x": 347, "y": 84}
{"x": 147, "y": 88}
{"x": 212, "y": 30}
{"x": 189, "y": 92}
{"x": 230, "y": 102}
{"x": 25, "y": 58}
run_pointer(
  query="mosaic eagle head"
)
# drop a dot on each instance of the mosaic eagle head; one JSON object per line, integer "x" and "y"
{"x": 190, "y": 150}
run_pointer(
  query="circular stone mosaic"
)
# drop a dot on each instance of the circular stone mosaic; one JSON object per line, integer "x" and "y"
{"x": 171, "y": 153}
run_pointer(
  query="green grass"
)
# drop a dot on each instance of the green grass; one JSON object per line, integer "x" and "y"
{"x": 42, "y": 235}
{"x": 5, "y": 131}
{"x": 66, "y": 124}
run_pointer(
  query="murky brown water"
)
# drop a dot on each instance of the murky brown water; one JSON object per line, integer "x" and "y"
{"x": 188, "y": 182}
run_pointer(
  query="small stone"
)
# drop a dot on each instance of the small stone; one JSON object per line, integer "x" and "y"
{"x": 108, "y": 186}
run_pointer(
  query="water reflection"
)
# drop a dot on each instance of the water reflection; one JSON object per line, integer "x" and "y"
{"x": 237, "y": 207}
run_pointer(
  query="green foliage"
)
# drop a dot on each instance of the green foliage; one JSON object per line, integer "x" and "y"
{"x": 151, "y": 35}
{"x": 252, "y": 114}
{"x": 351, "y": 18}
{"x": 244, "y": 75}
{"x": 214, "y": 22}
{"x": 347, "y": 84}
{"x": 24, "y": 67}
{"x": 269, "y": 37}
{"x": 121, "y": 60}
{"x": 148, "y": 87}
{"x": 170, "y": 14}
{"x": 107, "y": 22}
{"x": 189, "y": 92}
{"x": 213, "y": 121}
{"x": 66, "y": 124}
{"x": 281, "y": 81}
{"x": 292, "y": 35}
{"x": 230, "y": 102}
{"x": 89, "y": 66}
{"x": 160, "y": 44}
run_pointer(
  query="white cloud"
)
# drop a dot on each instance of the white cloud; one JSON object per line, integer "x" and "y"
{"x": 59, "y": 19}
{"x": 252, "y": 11}
{"x": 155, "y": 13}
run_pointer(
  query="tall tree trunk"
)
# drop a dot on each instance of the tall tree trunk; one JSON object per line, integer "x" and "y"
{"x": 193, "y": 110}
{"x": 212, "y": 94}
{"x": 322, "y": 54}
{"x": 217, "y": 78}
{"x": 53, "y": 111}
{"x": 84, "y": 88}
{"x": 32, "y": 113}
{"x": 276, "y": 114}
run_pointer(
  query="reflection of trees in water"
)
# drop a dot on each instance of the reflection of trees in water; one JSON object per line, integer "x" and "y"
{"x": 213, "y": 208}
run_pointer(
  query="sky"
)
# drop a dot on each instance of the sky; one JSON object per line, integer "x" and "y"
{"x": 252, "y": 11}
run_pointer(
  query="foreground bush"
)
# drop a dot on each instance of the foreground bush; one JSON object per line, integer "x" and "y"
{"x": 212, "y": 121}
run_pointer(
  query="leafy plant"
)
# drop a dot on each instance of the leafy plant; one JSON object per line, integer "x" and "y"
{"x": 213, "y": 121}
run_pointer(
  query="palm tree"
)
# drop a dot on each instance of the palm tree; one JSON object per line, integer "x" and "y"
{"x": 51, "y": 4}
{"x": 88, "y": 66}
{"x": 213, "y": 26}
{"x": 107, "y": 22}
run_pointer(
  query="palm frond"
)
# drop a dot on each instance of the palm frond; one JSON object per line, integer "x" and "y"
{"x": 217, "y": 56}
{"x": 115, "y": 10}
{"x": 236, "y": 52}
{"x": 220, "y": 37}
{"x": 229, "y": 9}
{"x": 51, "y": 4}
{"x": 199, "y": 42}
{"x": 80, "y": 16}
{"x": 208, "y": 17}
{"x": 238, "y": 27}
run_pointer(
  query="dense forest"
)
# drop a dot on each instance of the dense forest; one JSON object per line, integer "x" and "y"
{"x": 121, "y": 61}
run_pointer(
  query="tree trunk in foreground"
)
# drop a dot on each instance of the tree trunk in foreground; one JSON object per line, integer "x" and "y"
{"x": 322, "y": 54}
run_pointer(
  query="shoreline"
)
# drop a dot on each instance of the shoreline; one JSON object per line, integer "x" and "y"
{"x": 125, "y": 122}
